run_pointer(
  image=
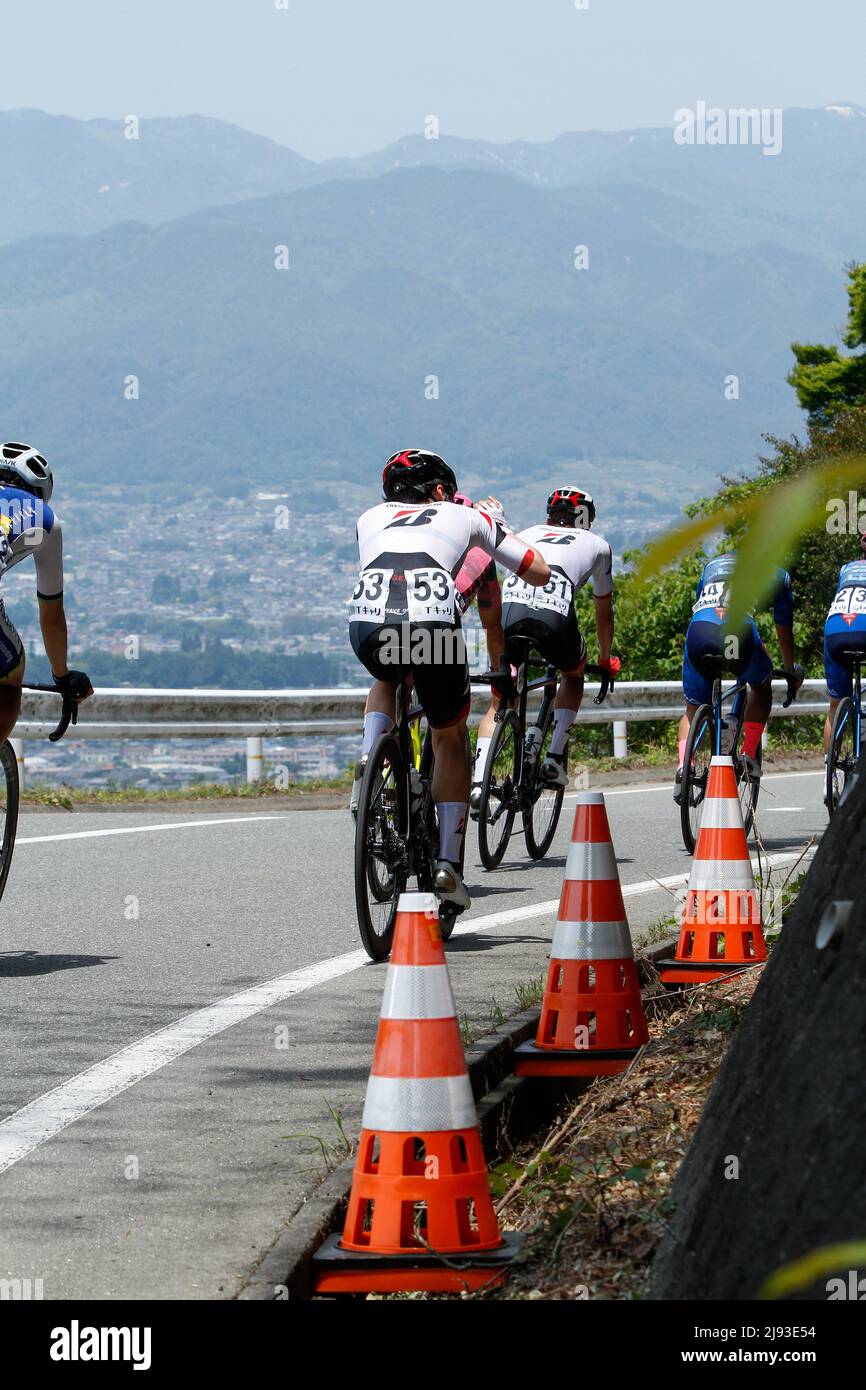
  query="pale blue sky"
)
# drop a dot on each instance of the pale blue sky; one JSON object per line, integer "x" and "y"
{"x": 331, "y": 77}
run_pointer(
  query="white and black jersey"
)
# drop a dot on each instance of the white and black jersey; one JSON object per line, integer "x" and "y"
{"x": 412, "y": 553}
{"x": 575, "y": 557}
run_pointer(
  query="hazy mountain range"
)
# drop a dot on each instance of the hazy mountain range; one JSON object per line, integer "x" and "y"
{"x": 452, "y": 259}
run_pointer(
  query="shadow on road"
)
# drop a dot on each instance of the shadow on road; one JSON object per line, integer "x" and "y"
{"x": 485, "y": 941}
{"x": 34, "y": 963}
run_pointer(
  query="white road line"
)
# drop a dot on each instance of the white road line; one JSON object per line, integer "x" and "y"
{"x": 41, "y": 1119}
{"x": 140, "y": 829}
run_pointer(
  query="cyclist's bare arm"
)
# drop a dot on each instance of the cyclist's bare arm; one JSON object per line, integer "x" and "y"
{"x": 785, "y": 638}
{"x": 604, "y": 625}
{"x": 52, "y": 621}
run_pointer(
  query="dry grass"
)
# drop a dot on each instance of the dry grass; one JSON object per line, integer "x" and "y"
{"x": 593, "y": 1195}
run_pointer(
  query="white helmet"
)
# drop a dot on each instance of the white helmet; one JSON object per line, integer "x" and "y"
{"x": 29, "y": 467}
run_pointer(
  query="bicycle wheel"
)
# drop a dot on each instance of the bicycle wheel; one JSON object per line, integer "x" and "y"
{"x": 541, "y": 815}
{"x": 748, "y": 792}
{"x": 841, "y": 760}
{"x": 8, "y": 810}
{"x": 380, "y": 846}
{"x": 696, "y": 772}
{"x": 499, "y": 792}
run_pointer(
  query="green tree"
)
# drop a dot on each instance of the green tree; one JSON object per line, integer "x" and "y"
{"x": 825, "y": 379}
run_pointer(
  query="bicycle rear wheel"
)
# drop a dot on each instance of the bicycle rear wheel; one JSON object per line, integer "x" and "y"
{"x": 8, "y": 810}
{"x": 696, "y": 773}
{"x": 499, "y": 792}
{"x": 541, "y": 815}
{"x": 841, "y": 759}
{"x": 380, "y": 846}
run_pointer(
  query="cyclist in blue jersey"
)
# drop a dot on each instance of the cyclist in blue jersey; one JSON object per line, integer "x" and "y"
{"x": 28, "y": 526}
{"x": 844, "y": 631}
{"x": 708, "y": 636}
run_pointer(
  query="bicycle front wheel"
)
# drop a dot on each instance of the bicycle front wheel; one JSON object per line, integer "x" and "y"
{"x": 380, "y": 846}
{"x": 748, "y": 792}
{"x": 842, "y": 758}
{"x": 541, "y": 815}
{"x": 8, "y": 810}
{"x": 499, "y": 792}
{"x": 696, "y": 773}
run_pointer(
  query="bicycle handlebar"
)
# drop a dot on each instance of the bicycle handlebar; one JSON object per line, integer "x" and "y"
{"x": 608, "y": 681}
{"x": 504, "y": 678}
{"x": 68, "y": 715}
{"x": 793, "y": 680}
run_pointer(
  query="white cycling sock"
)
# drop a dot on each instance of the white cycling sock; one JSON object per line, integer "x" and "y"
{"x": 375, "y": 724}
{"x": 481, "y": 750}
{"x": 452, "y": 819}
{"x": 562, "y": 722}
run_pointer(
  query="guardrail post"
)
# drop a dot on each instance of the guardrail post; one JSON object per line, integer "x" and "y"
{"x": 17, "y": 746}
{"x": 620, "y": 738}
{"x": 255, "y": 759}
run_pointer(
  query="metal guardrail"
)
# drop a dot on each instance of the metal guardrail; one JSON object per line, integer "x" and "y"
{"x": 254, "y": 715}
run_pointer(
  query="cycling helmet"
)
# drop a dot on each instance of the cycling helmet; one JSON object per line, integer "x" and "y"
{"x": 412, "y": 475}
{"x": 574, "y": 503}
{"x": 21, "y": 465}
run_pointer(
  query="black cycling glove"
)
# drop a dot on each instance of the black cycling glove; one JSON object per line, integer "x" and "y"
{"x": 75, "y": 683}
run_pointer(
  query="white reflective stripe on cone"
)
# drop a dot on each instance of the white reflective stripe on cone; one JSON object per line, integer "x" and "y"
{"x": 714, "y": 875}
{"x": 590, "y": 798}
{"x": 412, "y": 1103}
{"x": 591, "y": 941}
{"x": 590, "y": 861}
{"x": 418, "y": 991}
{"x": 721, "y": 760}
{"x": 721, "y": 813}
{"x": 418, "y": 902}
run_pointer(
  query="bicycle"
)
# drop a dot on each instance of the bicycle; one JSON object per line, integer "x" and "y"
{"x": 396, "y": 833}
{"x": 705, "y": 742}
{"x": 9, "y": 807}
{"x": 512, "y": 775}
{"x": 845, "y": 737}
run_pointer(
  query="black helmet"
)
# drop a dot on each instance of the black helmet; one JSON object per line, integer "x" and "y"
{"x": 573, "y": 503}
{"x": 412, "y": 475}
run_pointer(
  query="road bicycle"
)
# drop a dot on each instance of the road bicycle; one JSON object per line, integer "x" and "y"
{"x": 845, "y": 737}
{"x": 512, "y": 780}
{"x": 710, "y": 735}
{"x": 9, "y": 788}
{"x": 396, "y": 833}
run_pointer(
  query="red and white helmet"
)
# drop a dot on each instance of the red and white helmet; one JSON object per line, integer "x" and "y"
{"x": 574, "y": 503}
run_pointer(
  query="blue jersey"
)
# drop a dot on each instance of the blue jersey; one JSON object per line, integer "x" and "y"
{"x": 29, "y": 526}
{"x": 848, "y": 609}
{"x": 712, "y": 594}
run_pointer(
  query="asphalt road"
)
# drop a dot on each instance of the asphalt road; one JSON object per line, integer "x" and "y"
{"x": 180, "y": 993}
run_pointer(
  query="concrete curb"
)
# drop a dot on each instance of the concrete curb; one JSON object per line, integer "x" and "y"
{"x": 509, "y": 1110}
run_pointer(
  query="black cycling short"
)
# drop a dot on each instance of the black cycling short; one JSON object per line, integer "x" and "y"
{"x": 435, "y": 653}
{"x": 558, "y": 640}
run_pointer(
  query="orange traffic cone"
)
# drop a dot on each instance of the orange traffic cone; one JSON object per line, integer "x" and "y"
{"x": 721, "y": 930}
{"x": 592, "y": 1019}
{"x": 420, "y": 1213}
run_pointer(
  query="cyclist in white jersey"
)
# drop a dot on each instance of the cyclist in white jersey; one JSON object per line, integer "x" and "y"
{"x": 404, "y": 616}
{"x": 576, "y": 556}
{"x": 29, "y": 526}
